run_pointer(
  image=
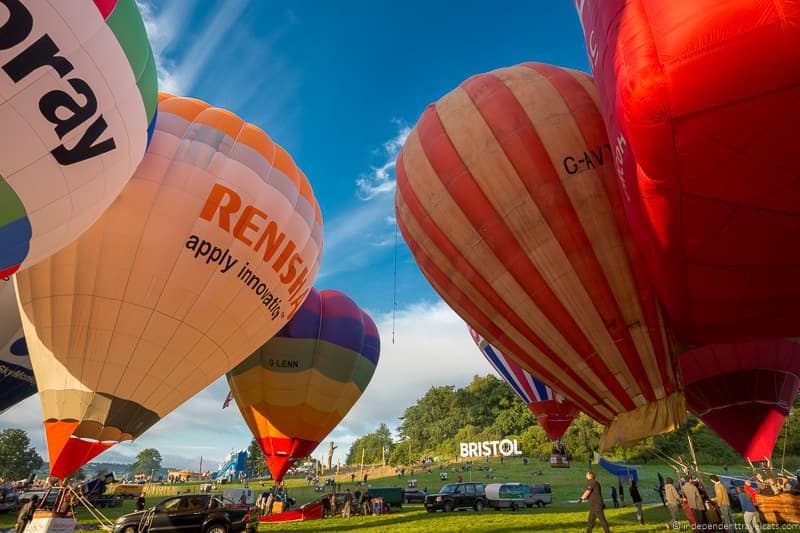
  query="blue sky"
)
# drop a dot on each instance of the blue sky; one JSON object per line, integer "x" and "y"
{"x": 339, "y": 84}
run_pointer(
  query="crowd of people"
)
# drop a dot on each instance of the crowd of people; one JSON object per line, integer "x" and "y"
{"x": 701, "y": 505}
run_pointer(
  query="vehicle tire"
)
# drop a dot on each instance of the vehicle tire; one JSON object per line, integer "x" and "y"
{"x": 540, "y": 504}
{"x": 447, "y": 507}
{"x": 479, "y": 506}
{"x": 217, "y": 528}
{"x": 514, "y": 506}
{"x": 129, "y": 529}
{"x": 430, "y": 509}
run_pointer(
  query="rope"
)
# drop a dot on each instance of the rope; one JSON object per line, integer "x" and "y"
{"x": 394, "y": 289}
{"x": 105, "y": 523}
{"x": 785, "y": 438}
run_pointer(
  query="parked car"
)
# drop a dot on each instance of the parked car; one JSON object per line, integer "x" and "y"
{"x": 540, "y": 495}
{"x": 9, "y": 499}
{"x": 414, "y": 496}
{"x": 457, "y": 496}
{"x": 51, "y": 494}
{"x": 204, "y": 513}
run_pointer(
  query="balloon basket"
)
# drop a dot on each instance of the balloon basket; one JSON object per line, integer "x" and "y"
{"x": 50, "y": 522}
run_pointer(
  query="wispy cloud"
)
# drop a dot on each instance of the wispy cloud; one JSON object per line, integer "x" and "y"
{"x": 372, "y": 219}
{"x": 380, "y": 179}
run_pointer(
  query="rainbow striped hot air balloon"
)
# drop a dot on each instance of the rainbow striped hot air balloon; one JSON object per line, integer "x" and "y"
{"x": 295, "y": 389}
{"x": 77, "y": 109}
{"x": 554, "y": 412}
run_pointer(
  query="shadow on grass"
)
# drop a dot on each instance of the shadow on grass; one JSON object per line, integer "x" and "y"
{"x": 503, "y": 521}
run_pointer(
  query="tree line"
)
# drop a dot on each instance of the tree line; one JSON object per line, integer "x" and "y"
{"x": 487, "y": 409}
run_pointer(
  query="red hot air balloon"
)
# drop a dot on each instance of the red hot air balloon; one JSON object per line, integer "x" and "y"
{"x": 743, "y": 391}
{"x": 554, "y": 412}
{"x": 701, "y": 100}
{"x": 508, "y": 199}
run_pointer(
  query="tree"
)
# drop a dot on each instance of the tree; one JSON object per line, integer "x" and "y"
{"x": 374, "y": 447}
{"x": 256, "y": 463}
{"x": 80, "y": 475}
{"x": 147, "y": 461}
{"x": 17, "y": 458}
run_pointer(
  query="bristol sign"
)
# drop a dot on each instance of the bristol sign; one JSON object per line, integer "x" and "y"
{"x": 505, "y": 447}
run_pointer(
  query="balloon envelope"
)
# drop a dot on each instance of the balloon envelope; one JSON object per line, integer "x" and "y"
{"x": 507, "y": 197}
{"x": 16, "y": 375}
{"x": 77, "y": 105}
{"x": 205, "y": 255}
{"x": 744, "y": 391}
{"x": 554, "y": 412}
{"x": 297, "y": 387}
{"x": 701, "y": 100}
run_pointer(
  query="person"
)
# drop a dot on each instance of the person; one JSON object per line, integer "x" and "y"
{"x": 751, "y": 520}
{"x": 751, "y": 492}
{"x": 636, "y": 498}
{"x": 243, "y": 498}
{"x": 723, "y": 500}
{"x": 660, "y": 489}
{"x": 260, "y": 503}
{"x": 673, "y": 499}
{"x": 140, "y": 502}
{"x": 269, "y": 502}
{"x": 594, "y": 495}
{"x": 26, "y": 513}
{"x": 348, "y": 503}
{"x": 365, "y": 478}
{"x": 621, "y": 494}
{"x": 695, "y": 503}
{"x": 614, "y": 496}
{"x": 352, "y": 478}
{"x": 460, "y": 478}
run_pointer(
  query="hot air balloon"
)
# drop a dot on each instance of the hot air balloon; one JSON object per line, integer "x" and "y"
{"x": 554, "y": 412}
{"x": 701, "y": 100}
{"x": 206, "y": 254}
{"x": 297, "y": 387}
{"x": 77, "y": 107}
{"x": 744, "y": 391}
{"x": 508, "y": 200}
{"x": 16, "y": 375}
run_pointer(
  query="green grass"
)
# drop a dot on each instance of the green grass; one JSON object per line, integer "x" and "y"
{"x": 567, "y": 484}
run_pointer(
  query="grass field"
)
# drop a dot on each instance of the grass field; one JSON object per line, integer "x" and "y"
{"x": 564, "y": 515}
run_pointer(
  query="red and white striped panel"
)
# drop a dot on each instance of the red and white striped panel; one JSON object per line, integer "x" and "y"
{"x": 508, "y": 199}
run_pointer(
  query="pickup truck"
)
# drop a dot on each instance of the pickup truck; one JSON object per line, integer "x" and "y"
{"x": 202, "y": 513}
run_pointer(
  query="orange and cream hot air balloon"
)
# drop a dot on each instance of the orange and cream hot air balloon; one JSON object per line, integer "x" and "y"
{"x": 508, "y": 199}
{"x": 206, "y": 254}
{"x": 296, "y": 388}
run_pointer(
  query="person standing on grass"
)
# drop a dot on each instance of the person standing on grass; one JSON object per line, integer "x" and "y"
{"x": 614, "y": 496}
{"x": 751, "y": 520}
{"x": 637, "y": 501}
{"x": 673, "y": 500}
{"x": 695, "y": 503}
{"x": 723, "y": 500}
{"x": 594, "y": 495}
{"x": 26, "y": 513}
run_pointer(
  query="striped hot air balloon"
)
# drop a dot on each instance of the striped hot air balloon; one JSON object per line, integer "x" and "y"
{"x": 296, "y": 388}
{"x": 206, "y": 254}
{"x": 508, "y": 200}
{"x": 743, "y": 391}
{"x": 554, "y": 412}
{"x": 77, "y": 108}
